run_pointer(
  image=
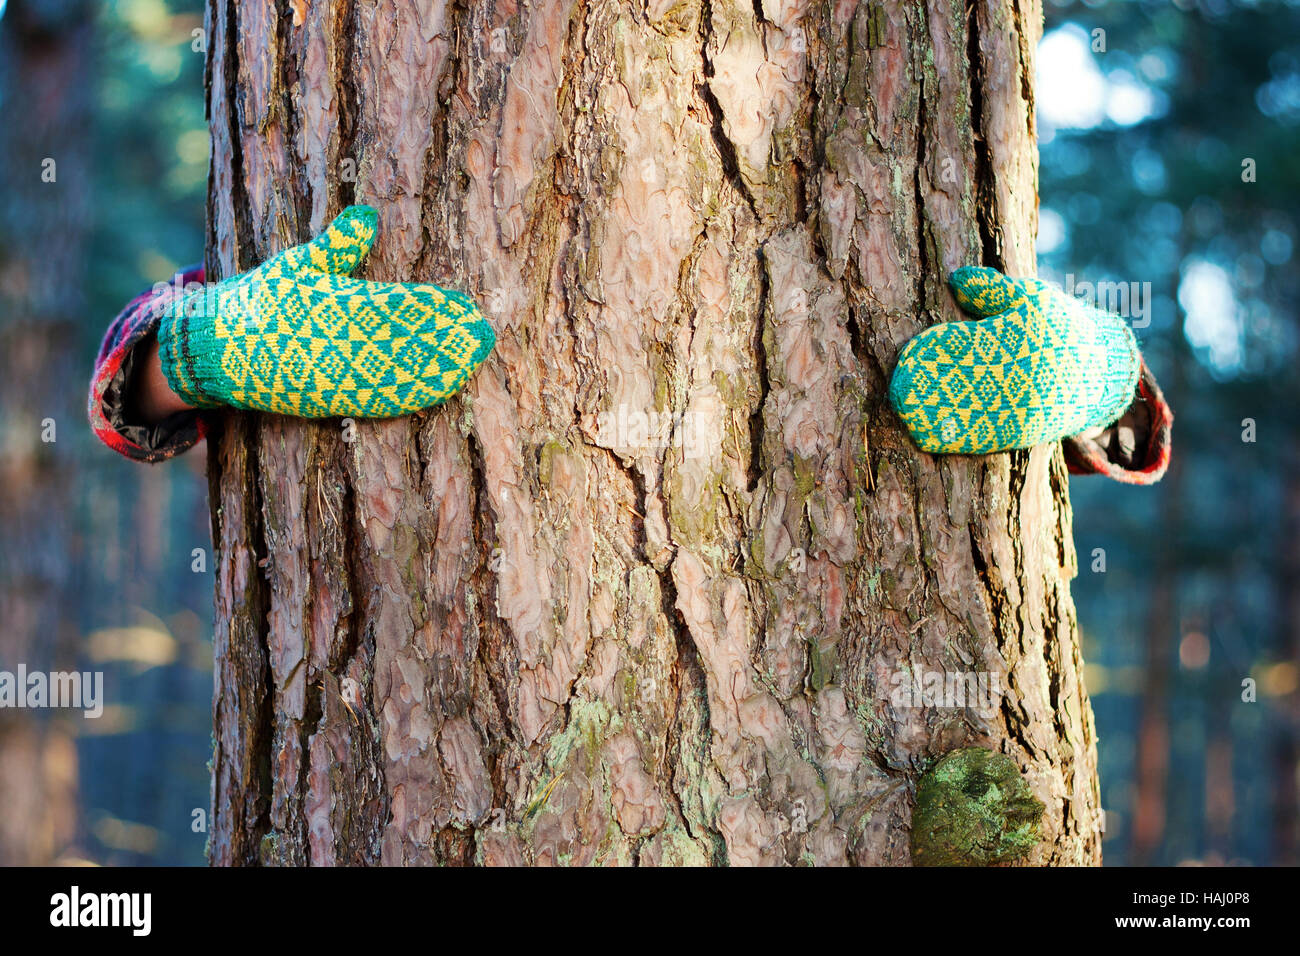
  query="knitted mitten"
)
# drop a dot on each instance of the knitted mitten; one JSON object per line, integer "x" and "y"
{"x": 1041, "y": 366}
{"x": 297, "y": 336}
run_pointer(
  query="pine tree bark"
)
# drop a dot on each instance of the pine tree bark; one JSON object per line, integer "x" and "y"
{"x": 640, "y": 593}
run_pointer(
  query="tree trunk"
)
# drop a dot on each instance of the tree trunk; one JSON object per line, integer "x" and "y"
{"x": 644, "y": 592}
{"x": 1285, "y": 831}
{"x": 1164, "y": 629}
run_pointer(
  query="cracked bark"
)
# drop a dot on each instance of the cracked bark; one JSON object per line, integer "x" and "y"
{"x": 638, "y": 595}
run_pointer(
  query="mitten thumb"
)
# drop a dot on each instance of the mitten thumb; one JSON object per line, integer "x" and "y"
{"x": 340, "y": 248}
{"x": 983, "y": 292}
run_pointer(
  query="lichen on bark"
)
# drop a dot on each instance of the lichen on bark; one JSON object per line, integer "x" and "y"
{"x": 974, "y": 809}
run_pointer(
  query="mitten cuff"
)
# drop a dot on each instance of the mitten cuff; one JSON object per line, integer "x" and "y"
{"x": 113, "y": 417}
{"x": 1122, "y": 372}
{"x": 175, "y": 355}
{"x": 1136, "y": 448}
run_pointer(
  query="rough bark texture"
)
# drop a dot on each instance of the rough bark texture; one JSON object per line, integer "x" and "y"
{"x": 514, "y": 630}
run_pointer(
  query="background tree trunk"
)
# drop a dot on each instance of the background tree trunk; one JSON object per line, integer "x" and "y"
{"x": 533, "y": 626}
{"x": 45, "y": 57}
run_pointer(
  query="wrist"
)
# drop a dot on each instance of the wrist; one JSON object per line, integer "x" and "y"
{"x": 154, "y": 398}
{"x": 179, "y": 365}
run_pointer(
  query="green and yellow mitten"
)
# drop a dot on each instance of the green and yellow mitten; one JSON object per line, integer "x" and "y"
{"x": 1040, "y": 365}
{"x": 299, "y": 336}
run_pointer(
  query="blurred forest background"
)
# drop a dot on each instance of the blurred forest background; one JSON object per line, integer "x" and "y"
{"x": 96, "y": 552}
{"x": 1168, "y": 131}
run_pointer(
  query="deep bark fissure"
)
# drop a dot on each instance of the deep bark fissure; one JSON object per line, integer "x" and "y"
{"x": 923, "y": 232}
{"x": 435, "y": 157}
{"x": 256, "y": 611}
{"x": 346, "y": 94}
{"x": 990, "y": 249}
{"x": 1018, "y": 474}
{"x": 500, "y": 693}
{"x": 299, "y": 198}
{"x": 350, "y": 535}
{"x": 243, "y": 219}
{"x": 993, "y": 594}
{"x": 756, "y": 417}
{"x": 726, "y": 148}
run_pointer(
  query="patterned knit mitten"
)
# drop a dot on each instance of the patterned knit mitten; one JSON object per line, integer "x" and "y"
{"x": 298, "y": 336}
{"x": 1040, "y": 365}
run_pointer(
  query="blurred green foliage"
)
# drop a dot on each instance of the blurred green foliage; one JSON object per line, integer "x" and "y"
{"x": 152, "y": 145}
{"x": 148, "y": 618}
{"x": 1168, "y": 157}
{"x": 142, "y": 784}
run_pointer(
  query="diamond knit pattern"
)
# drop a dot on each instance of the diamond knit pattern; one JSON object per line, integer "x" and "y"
{"x": 298, "y": 336}
{"x": 1039, "y": 366}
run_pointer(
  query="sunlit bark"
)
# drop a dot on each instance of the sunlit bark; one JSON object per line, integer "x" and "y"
{"x": 640, "y": 594}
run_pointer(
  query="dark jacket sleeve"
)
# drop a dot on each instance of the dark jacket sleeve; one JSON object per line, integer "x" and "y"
{"x": 113, "y": 416}
{"x": 1135, "y": 449}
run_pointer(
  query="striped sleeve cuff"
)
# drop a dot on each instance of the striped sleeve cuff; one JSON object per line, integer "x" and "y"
{"x": 113, "y": 419}
{"x": 1136, "y": 449}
